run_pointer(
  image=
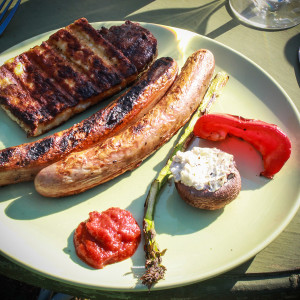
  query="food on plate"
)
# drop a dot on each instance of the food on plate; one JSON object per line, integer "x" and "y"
{"x": 132, "y": 39}
{"x": 206, "y": 178}
{"x": 273, "y": 144}
{"x": 22, "y": 163}
{"x": 107, "y": 237}
{"x": 74, "y": 69}
{"x": 125, "y": 151}
{"x": 155, "y": 270}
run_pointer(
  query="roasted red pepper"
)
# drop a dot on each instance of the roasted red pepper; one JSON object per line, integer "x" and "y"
{"x": 268, "y": 139}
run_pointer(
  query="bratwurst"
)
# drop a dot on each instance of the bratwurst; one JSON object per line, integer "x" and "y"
{"x": 125, "y": 151}
{"x": 22, "y": 163}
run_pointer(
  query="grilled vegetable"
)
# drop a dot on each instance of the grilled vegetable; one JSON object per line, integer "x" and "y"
{"x": 273, "y": 144}
{"x": 155, "y": 271}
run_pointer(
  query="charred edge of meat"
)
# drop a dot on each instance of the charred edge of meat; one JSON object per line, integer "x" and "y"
{"x": 39, "y": 149}
{"x": 72, "y": 139}
{"x": 12, "y": 106}
{"x": 22, "y": 115}
{"x": 5, "y": 155}
{"x": 165, "y": 61}
{"x": 86, "y": 91}
{"x": 124, "y": 106}
{"x": 126, "y": 103}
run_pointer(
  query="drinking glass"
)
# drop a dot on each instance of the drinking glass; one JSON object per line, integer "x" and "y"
{"x": 267, "y": 14}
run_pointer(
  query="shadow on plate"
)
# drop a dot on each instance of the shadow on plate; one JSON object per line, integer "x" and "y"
{"x": 70, "y": 250}
{"x": 27, "y": 204}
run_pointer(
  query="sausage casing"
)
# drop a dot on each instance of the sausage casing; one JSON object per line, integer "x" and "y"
{"x": 125, "y": 151}
{"x": 23, "y": 162}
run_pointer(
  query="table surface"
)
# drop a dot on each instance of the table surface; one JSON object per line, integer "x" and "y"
{"x": 277, "y": 267}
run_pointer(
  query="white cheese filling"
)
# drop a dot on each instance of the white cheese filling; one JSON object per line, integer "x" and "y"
{"x": 202, "y": 168}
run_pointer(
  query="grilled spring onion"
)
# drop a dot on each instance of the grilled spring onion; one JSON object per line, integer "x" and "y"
{"x": 154, "y": 268}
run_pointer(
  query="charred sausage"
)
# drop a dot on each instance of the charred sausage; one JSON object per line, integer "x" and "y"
{"x": 125, "y": 151}
{"x": 22, "y": 163}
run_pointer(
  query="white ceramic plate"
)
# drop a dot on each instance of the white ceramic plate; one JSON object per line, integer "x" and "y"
{"x": 37, "y": 232}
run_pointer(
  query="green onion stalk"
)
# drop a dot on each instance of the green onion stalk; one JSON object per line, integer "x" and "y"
{"x": 155, "y": 271}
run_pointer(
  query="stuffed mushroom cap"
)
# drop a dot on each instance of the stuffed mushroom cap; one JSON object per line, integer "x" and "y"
{"x": 218, "y": 188}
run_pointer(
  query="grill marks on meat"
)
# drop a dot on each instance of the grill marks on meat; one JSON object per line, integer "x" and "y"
{"x": 136, "y": 43}
{"x": 21, "y": 163}
{"x": 69, "y": 76}
{"x": 125, "y": 105}
{"x": 6, "y": 155}
{"x": 39, "y": 149}
{"x": 74, "y": 69}
{"x": 129, "y": 148}
{"x": 46, "y": 98}
{"x": 84, "y": 47}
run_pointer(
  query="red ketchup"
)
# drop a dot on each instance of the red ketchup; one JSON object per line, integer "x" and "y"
{"x": 107, "y": 237}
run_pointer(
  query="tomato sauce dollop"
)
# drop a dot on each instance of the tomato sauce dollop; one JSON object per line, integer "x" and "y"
{"x": 107, "y": 237}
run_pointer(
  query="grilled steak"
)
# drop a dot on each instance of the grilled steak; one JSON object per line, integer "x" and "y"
{"x": 74, "y": 69}
{"x": 137, "y": 43}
